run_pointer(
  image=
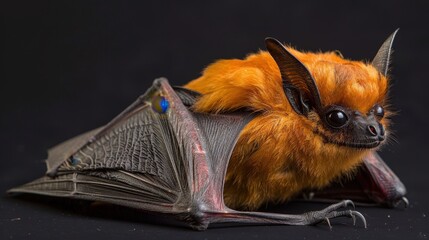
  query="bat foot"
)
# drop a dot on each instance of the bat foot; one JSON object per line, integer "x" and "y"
{"x": 331, "y": 212}
{"x": 335, "y": 214}
{"x": 309, "y": 218}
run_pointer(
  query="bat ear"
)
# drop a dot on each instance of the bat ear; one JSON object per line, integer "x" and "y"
{"x": 382, "y": 58}
{"x": 298, "y": 84}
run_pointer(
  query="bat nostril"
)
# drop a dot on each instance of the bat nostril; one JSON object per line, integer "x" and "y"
{"x": 372, "y": 130}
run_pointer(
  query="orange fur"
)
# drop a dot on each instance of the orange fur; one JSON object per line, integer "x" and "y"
{"x": 278, "y": 153}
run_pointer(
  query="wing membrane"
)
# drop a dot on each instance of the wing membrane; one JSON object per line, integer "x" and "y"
{"x": 136, "y": 159}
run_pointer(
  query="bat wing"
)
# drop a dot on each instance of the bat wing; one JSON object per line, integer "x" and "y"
{"x": 374, "y": 183}
{"x": 155, "y": 156}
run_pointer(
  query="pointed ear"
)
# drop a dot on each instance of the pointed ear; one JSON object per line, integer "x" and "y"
{"x": 382, "y": 58}
{"x": 298, "y": 84}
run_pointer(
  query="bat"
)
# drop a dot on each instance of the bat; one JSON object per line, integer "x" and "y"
{"x": 320, "y": 116}
{"x": 276, "y": 125}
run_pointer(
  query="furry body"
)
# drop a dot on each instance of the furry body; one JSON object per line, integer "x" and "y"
{"x": 280, "y": 153}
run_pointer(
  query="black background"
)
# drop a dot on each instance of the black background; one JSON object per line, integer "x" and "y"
{"x": 68, "y": 67}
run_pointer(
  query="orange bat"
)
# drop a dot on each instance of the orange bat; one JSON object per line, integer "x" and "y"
{"x": 319, "y": 115}
{"x": 311, "y": 118}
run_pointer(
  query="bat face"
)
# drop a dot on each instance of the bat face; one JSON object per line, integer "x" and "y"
{"x": 353, "y": 101}
{"x": 343, "y": 100}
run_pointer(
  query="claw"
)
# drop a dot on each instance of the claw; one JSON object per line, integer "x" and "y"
{"x": 406, "y": 202}
{"x": 403, "y": 200}
{"x": 359, "y": 215}
{"x": 349, "y": 203}
{"x": 329, "y": 223}
{"x": 354, "y": 219}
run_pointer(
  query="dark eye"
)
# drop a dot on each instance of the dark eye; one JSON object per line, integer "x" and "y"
{"x": 336, "y": 118}
{"x": 378, "y": 111}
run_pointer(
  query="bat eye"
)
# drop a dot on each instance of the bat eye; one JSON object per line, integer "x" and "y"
{"x": 336, "y": 118}
{"x": 160, "y": 104}
{"x": 379, "y": 111}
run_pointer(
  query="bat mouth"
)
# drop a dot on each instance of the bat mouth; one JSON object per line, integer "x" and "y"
{"x": 355, "y": 143}
{"x": 365, "y": 145}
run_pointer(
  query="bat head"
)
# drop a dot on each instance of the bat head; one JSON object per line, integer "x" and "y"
{"x": 344, "y": 100}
